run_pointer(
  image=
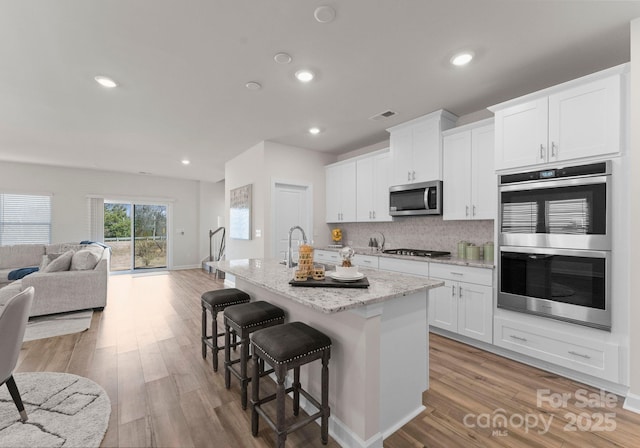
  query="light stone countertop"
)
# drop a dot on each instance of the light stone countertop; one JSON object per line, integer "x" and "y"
{"x": 275, "y": 277}
{"x": 443, "y": 260}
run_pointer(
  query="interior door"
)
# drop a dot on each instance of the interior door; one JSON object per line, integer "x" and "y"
{"x": 291, "y": 207}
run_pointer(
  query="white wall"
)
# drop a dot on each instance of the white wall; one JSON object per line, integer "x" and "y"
{"x": 260, "y": 166}
{"x": 211, "y": 207}
{"x": 71, "y": 187}
{"x": 634, "y": 287}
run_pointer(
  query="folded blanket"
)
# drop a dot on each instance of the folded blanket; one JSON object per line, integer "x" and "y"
{"x": 22, "y": 272}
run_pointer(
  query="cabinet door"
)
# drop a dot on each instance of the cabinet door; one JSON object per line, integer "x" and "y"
{"x": 332, "y": 182}
{"x": 475, "y": 311}
{"x": 347, "y": 192}
{"x": 521, "y": 135}
{"x": 380, "y": 187}
{"x": 401, "y": 141}
{"x": 364, "y": 186}
{"x": 443, "y": 306}
{"x": 426, "y": 151}
{"x": 585, "y": 121}
{"x": 457, "y": 176}
{"x": 484, "y": 194}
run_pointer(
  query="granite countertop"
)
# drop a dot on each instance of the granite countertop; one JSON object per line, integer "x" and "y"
{"x": 443, "y": 260}
{"x": 273, "y": 276}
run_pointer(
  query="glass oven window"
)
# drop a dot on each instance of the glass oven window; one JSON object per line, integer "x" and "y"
{"x": 569, "y": 279}
{"x": 408, "y": 200}
{"x": 579, "y": 209}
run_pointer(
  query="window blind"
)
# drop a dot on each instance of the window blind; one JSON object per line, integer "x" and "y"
{"x": 25, "y": 219}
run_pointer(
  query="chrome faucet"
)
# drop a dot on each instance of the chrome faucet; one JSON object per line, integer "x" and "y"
{"x": 290, "y": 262}
{"x": 379, "y": 246}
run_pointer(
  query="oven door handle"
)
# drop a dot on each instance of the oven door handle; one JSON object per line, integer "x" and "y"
{"x": 555, "y": 183}
{"x": 539, "y": 256}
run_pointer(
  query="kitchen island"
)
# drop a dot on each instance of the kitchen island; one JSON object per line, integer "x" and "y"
{"x": 379, "y": 364}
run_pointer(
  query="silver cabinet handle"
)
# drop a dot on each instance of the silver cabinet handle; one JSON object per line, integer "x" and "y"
{"x": 460, "y": 291}
{"x": 553, "y": 149}
{"x": 369, "y": 214}
{"x": 518, "y": 338}
{"x": 374, "y": 214}
{"x": 413, "y": 175}
{"x": 453, "y": 291}
{"x": 408, "y": 175}
{"x": 366, "y": 261}
{"x": 474, "y": 210}
{"x": 582, "y": 355}
{"x": 466, "y": 211}
{"x": 542, "y": 151}
{"x": 457, "y": 273}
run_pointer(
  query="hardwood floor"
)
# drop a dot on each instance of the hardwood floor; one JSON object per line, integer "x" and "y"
{"x": 144, "y": 350}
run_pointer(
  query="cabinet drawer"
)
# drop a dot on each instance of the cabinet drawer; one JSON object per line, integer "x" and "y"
{"x": 326, "y": 256}
{"x": 590, "y": 356}
{"x": 480, "y": 276}
{"x": 366, "y": 261}
{"x": 404, "y": 266}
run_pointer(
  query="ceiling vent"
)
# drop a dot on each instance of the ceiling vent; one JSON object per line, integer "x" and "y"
{"x": 383, "y": 116}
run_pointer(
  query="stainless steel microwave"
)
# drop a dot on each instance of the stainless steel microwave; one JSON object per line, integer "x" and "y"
{"x": 424, "y": 198}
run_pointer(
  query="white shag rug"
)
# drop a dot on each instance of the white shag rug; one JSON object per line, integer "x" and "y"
{"x": 64, "y": 410}
{"x": 57, "y": 325}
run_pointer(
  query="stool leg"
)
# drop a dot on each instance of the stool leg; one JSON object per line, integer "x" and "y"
{"x": 204, "y": 332}
{"x": 244, "y": 359}
{"x": 324, "y": 422}
{"x": 235, "y": 341}
{"x": 255, "y": 394}
{"x": 296, "y": 390}
{"x": 214, "y": 332}
{"x": 281, "y": 431}
{"x": 227, "y": 355}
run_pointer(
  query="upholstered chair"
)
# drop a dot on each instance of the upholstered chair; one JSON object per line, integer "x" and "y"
{"x": 13, "y": 322}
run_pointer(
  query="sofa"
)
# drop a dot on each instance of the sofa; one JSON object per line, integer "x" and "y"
{"x": 70, "y": 276}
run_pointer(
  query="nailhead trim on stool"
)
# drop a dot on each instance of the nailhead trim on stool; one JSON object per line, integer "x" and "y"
{"x": 243, "y": 320}
{"x": 216, "y": 301}
{"x": 287, "y": 347}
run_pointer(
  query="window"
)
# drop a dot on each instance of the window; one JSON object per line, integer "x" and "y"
{"x": 24, "y": 219}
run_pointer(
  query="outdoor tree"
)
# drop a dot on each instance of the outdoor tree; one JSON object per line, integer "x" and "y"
{"x": 117, "y": 222}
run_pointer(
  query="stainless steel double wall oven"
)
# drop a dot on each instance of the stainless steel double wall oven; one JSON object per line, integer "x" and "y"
{"x": 555, "y": 243}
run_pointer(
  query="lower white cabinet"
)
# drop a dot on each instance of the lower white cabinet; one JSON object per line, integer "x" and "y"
{"x": 587, "y": 355}
{"x": 404, "y": 266}
{"x": 465, "y": 304}
{"x": 326, "y": 256}
{"x": 366, "y": 261}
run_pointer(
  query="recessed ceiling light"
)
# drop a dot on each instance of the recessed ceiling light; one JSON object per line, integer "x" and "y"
{"x": 314, "y": 130}
{"x": 282, "y": 58}
{"x": 324, "y": 14}
{"x": 186, "y": 161}
{"x": 252, "y": 85}
{"x": 461, "y": 59}
{"x": 105, "y": 82}
{"x": 304, "y": 75}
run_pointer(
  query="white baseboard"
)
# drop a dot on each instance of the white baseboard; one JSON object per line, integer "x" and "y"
{"x": 406, "y": 419}
{"x": 632, "y": 403}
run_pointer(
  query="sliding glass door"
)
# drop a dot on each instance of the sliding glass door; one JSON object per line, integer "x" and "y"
{"x": 137, "y": 234}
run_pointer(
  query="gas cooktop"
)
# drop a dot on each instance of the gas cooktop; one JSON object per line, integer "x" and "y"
{"x": 417, "y": 252}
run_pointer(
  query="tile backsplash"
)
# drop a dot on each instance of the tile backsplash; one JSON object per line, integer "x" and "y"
{"x": 417, "y": 232}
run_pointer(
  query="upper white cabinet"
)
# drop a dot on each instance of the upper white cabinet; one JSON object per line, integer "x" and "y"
{"x": 372, "y": 188}
{"x": 340, "y": 181}
{"x": 416, "y": 148}
{"x": 469, "y": 179}
{"x": 581, "y": 118}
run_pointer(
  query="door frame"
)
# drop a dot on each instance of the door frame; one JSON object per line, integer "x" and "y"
{"x": 308, "y": 226}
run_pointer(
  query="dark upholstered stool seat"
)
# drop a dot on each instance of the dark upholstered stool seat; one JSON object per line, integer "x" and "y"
{"x": 244, "y": 319}
{"x": 216, "y": 301}
{"x": 287, "y": 347}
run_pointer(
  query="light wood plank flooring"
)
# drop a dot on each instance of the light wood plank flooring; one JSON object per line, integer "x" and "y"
{"x": 144, "y": 349}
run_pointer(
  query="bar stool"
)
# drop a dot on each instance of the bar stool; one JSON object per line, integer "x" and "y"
{"x": 216, "y": 301}
{"x": 243, "y": 320}
{"x": 287, "y": 347}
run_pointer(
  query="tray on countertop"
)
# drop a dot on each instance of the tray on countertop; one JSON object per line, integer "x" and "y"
{"x": 328, "y": 282}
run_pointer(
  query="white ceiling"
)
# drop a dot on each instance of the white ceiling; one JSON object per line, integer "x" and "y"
{"x": 182, "y": 68}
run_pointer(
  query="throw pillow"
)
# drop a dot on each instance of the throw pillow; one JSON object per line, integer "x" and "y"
{"x": 46, "y": 259}
{"x": 86, "y": 259}
{"x": 62, "y": 263}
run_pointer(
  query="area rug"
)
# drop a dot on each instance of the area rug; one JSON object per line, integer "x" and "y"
{"x": 57, "y": 325}
{"x": 64, "y": 410}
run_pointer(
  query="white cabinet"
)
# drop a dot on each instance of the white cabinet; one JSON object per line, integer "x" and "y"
{"x": 465, "y": 304}
{"x": 326, "y": 256}
{"x": 410, "y": 267}
{"x": 590, "y": 355}
{"x": 372, "y": 188}
{"x": 340, "y": 181}
{"x": 469, "y": 180}
{"x": 366, "y": 261}
{"x": 582, "y": 118}
{"x": 416, "y": 148}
